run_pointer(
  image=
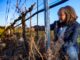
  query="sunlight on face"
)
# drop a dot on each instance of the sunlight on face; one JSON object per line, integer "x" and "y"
{"x": 62, "y": 16}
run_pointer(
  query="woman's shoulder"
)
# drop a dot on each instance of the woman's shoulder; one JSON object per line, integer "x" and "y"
{"x": 55, "y": 22}
{"x": 76, "y": 24}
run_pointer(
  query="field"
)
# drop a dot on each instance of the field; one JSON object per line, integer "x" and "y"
{"x": 36, "y": 45}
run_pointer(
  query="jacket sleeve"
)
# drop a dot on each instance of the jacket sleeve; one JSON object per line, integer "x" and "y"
{"x": 74, "y": 35}
{"x": 52, "y": 26}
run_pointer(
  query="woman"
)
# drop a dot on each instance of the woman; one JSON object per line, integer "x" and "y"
{"x": 66, "y": 28}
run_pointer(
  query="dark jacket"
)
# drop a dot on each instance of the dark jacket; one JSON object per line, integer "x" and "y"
{"x": 71, "y": 33}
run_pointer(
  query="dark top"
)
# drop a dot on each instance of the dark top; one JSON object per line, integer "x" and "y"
{"x": 71, "y": 33}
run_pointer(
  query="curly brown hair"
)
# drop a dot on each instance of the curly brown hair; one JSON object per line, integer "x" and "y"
{"x": 70, "y": 14}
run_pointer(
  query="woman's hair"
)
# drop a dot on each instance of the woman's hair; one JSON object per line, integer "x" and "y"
{"x": 70, "y": 14}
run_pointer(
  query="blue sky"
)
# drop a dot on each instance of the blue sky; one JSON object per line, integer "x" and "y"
{"x": 53, "y": 12}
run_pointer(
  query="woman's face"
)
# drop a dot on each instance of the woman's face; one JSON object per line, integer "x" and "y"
{"x": 62, "y": 16}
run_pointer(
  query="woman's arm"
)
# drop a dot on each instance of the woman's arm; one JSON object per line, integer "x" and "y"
{"x": 53, "y": 25}
{"x": 75, "y": 35}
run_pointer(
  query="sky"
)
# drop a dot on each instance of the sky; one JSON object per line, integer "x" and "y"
{"x": 13, "y": 14}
